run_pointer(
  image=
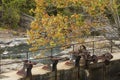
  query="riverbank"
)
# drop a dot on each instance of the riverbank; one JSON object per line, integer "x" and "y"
{"x": 10, "y": 38}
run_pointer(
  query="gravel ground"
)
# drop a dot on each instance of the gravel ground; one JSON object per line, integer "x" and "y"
{"x": 9, "y": 67}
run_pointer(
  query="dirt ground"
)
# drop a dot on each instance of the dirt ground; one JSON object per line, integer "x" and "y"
{"x": 9, "y": 33}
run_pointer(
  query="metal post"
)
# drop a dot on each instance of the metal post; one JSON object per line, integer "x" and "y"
{"x": 0, "y": 62}
{"x": 27, "y": 55}
{"x": 77, "y": 61}
{"x": 29, "y": 71}
{"x": 93, "y": 47}
{"x": 78, "y": 73}
{"x": 73, "y": 47}
{"x": 51, "y": 52}
{"x": 54, "y": 66}
{"x": 56, "y": 75}
{"x": 93, "y": 40}
{"x": 77, "y": 64}
{"x": 103, "y": 76}
{"x": 111, "y": 46}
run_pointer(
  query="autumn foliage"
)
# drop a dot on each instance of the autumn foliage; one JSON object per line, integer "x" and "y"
{"x": 60, "y": 29}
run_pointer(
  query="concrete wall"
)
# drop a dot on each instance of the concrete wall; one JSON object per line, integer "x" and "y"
{"x": 97, "y": 71}
{"x": 71, "y": 74}
{"x": 105, "y": 72}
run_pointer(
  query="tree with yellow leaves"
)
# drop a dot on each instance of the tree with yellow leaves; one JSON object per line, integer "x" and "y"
{"x": 53, "y": 27}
